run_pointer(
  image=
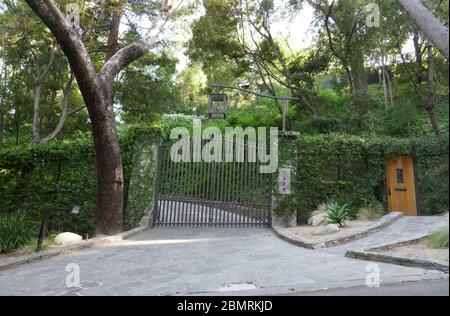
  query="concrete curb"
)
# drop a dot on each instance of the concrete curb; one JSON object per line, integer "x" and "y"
{"x": 8, "y": 263}
{"x": 331, "y": 242}
{"x": 440, "y": 265}
{"x": 370, "y": 254}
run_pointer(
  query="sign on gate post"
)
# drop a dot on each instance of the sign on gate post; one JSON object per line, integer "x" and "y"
{"x": 284, "y": 180}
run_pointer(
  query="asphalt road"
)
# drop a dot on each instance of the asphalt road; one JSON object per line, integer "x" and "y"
{"x": 210, "y": 261}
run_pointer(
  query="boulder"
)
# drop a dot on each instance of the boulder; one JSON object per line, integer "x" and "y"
{"x": 320, "y": 209}
{"x": 318, "y": 219}
{"x": 67, "y": 238}
{"x": 325, "y": 230}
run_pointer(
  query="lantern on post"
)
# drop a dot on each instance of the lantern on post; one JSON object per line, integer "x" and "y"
{"x": 72, "y": 209}
{"x": 218, "y": 103}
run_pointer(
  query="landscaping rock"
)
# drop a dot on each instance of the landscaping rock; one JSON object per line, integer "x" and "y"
{"x": 67, "y": 238}
{"x": 318, "y": 219}
{"x": 317, "y": 212}
{"x": 329, "y": 229}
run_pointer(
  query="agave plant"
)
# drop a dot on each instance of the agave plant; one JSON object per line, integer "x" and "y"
{"x": 337, "y": 213}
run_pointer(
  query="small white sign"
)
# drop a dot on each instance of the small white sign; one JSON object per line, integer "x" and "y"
{"x": 284, "y": 180}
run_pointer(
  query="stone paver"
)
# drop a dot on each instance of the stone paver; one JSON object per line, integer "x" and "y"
{"x": 208, "y": 261}
{"x": 408, "y": 227}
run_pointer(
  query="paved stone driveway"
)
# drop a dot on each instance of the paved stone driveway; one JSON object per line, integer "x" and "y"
{"x": 202, "y": 261}
{"x": 406, "y": 228}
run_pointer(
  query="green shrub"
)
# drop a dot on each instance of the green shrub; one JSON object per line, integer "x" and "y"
{"x": 371, "y": 212}
{"x": 321, "y": 125}
{"x": 352, "y": 168}
{"x": 400, "y": 119}
{"x": 439, "y": 239}
{"x": 61, "y": 173}
{"x": 337, "y": 213}
{"x": 15, "y": 232}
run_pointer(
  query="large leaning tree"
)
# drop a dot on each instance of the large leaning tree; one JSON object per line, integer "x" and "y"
{"x": 434, "y": 30}
{"x": 96, "y": 89}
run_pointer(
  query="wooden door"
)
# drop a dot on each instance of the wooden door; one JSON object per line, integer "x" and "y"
{"x": 401, "y": 186}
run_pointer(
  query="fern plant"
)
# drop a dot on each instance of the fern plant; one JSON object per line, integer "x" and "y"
{"x": 14, "y": 232}
{"x": 338, "y": 213}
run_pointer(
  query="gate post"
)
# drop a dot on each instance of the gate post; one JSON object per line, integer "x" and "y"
{"x": 154, "y": 213}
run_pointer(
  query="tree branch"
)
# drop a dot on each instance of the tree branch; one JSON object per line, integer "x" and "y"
{"x": 113, "y": 37}
{"x": 64, "y": 114}
{"x": 130, "y": 53}
{"x": 70, "y": 43}
{"x": 37, "y": 98}
{"x": 433, "y": 29}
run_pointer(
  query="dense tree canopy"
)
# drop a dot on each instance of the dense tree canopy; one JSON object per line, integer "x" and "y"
{"x": 369, "y": 68}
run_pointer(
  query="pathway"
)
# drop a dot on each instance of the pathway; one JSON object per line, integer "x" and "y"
{"x": 170, "y": 261}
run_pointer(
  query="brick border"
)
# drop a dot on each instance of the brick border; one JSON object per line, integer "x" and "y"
{"x": 12, "y": 262}
{"x": 331, "y": 242}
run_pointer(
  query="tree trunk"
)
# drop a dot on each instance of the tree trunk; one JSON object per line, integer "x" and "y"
{"x": 96, "y": 89}
{"x": 37, "y": 98}
{"x": 351, "y": 82}
{"x": 37, "y": 114}
{"x": 434, "y": 122}
{"x": 389, "y": 85}
{"x": 2, "y": 122}
{"x": 386, "y": 103}
{"x": 431, "y": 97}
{"x": 419, "y": 60}
{"x": 109, "y": 215}
{"x": 433, "y": 29}
{"x": 411, "y": 77}
{"x": 114, "y": 32}
{"x": 3, "y": 81}
{"x": 64, "y": 111}
{"x": 359, "y": 73}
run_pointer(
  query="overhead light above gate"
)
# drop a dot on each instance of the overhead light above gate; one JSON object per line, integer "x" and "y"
{"x": 218, "y": 103}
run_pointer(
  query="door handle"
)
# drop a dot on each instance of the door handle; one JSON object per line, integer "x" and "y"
{"x": 389, "y": 191}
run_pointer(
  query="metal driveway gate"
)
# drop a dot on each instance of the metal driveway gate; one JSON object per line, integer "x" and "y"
{"x": 214, "y": 194}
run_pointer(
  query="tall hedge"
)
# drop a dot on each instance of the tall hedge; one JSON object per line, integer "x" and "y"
{"x": 345, "y": 167}
{"x": 352, "y": 169}
{"x": 63, "y": 172}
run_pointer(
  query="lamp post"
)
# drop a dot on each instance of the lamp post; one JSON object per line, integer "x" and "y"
{"x": 48, "y": 210}
{"x": 284, "y": 100}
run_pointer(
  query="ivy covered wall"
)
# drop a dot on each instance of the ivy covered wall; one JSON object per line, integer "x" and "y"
{"x": 63, "y": 172}
{"x": 344, "y": 167}
{"x": 352, "y": 169}
{"x": 141, "y": 186}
